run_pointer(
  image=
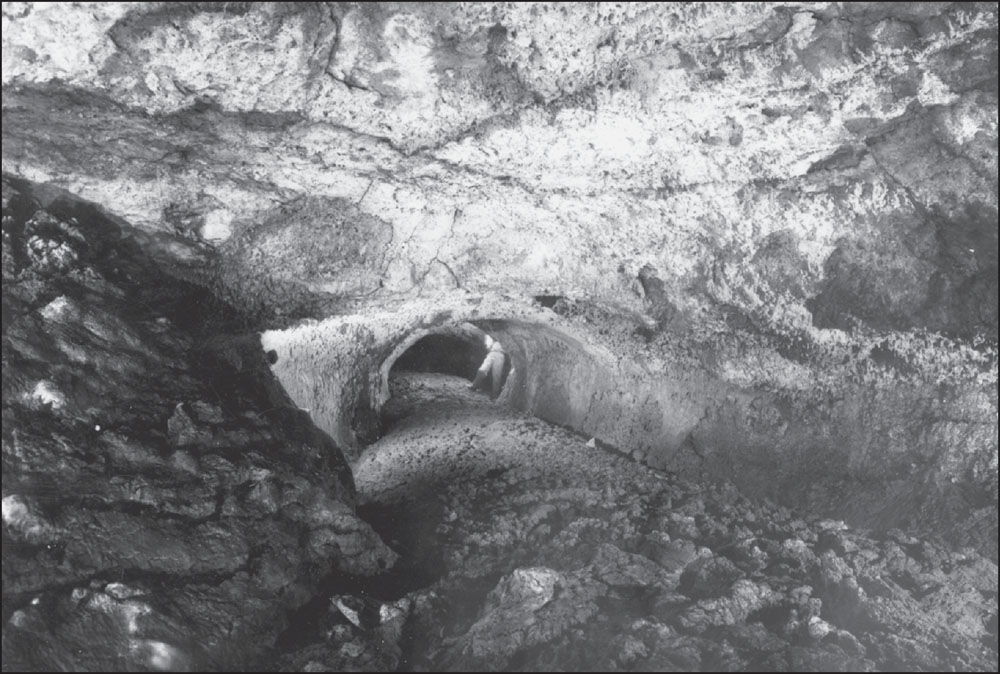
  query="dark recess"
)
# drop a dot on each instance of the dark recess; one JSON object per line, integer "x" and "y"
{"x": 548, "y": 301}
{"x": 447, "y": 354}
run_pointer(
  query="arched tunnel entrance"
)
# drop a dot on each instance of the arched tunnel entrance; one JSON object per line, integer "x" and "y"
{"x": 678, "y": 416}
{"x": 551, "y": 373}
{"x": 453, "y": 352}
{"x": 456, "y": 351}
{"x": 491, "y": 505}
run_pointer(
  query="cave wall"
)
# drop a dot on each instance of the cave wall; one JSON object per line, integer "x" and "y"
{"x": 910, "y": 450}
{"x": 165, "y": 506}
{"x": 901, "y": 436}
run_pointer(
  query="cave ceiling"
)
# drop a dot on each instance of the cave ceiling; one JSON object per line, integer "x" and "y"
{"x": 815, "y": 165}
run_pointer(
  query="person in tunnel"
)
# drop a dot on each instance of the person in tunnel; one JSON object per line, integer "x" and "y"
{"x": 492, "y": 367}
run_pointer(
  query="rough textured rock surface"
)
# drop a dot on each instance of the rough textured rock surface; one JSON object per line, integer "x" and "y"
{"x": 887, "y": 430}
{"x": 165, "y": 506}
{"x": 550, "y": 554}
{"x": 753, "y": 242}
{"x": 803, "y": 198}
{"x": 773, "y": 158}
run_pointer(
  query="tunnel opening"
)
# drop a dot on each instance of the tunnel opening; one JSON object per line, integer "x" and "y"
{"x": 548, "y": 301}
{"x": 685, "y": 420}
{"x": 456, "y": 483}
{"x": 457, "y": 352}
{"x": 426, "y": 370}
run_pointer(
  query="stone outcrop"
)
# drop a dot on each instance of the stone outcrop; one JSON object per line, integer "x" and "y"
{"x": 157, "y": 482}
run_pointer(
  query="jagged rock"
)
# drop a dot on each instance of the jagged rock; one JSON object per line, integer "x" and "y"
{"x": 190, "y": 541}
{"x": 519, "y": 615}
{"x": 708, "y": 577}
{"x": 674, "y": 556}
{"x": 617, "y": 568}
{"x": 743, "y": 598}
{"x": 182, "y": 430}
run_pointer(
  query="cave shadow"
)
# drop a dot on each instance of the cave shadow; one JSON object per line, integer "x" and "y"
{"x": 456, "y": 351}
{"x": 448, "y": 353}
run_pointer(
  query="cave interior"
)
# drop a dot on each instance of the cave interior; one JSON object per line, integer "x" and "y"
{"x": 742, "y": 259}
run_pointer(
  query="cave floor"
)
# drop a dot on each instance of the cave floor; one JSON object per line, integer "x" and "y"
{"x": 441, "y": 435}
{"x": 521, "y": 547}
{"x": 453, "y": 471}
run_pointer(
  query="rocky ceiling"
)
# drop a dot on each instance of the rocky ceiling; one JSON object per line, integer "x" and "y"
{"x": 755, "y": 241}
{"x": 815, "y": 164}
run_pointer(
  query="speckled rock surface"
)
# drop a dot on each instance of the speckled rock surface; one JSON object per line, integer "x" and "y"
{"x": 165, "y": 506}
{"x": 765, "y": 156}
{"x": 550, "y": 554}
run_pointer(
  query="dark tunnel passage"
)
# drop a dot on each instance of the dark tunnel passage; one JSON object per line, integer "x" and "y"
{"x": 476, "y": 495}
{"x": 546, "y": 372}
{"x": 799, "y": 451}
{"x": 454, "y": 354}
{"x": 457, "y": 351}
